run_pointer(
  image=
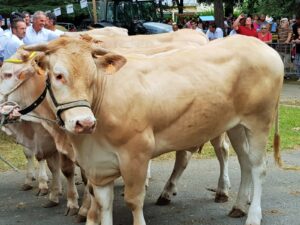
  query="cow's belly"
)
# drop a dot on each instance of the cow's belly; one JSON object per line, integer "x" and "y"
{"x": 97, "y": 158}
{"x": 195, "y": 127}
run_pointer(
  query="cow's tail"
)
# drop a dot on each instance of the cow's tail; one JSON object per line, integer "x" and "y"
{"x": 276, "y": 144}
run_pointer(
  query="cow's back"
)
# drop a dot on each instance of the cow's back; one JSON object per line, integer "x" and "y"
{"x": 198, "y": 92}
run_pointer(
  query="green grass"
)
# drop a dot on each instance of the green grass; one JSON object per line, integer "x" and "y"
{"x": 11, "y": 152}
{"x": 289, "y": 132}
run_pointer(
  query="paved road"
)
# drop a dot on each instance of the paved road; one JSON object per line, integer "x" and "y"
{"x": 193, "y": 204}
{"x": 291, "y": 93}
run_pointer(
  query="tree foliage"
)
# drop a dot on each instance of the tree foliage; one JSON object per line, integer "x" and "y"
{"x": 272, "y": 7}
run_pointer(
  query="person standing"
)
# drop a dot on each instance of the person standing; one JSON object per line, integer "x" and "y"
{"x": 214, "y": 32}
{"x": 1, "y": 21}
{"x": 284, "y": 39}
{"x": 264, "y": 34}
{"x": 18, "y": 28}
{"x": 51, "y": 22}
{"x": 37, "y": 33}
{"x": 247, "y": 29}
{"x": 27, "y": 18}
{"x": 296, "y": 37}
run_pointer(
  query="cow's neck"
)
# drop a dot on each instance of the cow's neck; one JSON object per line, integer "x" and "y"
{"x": 99, "y": 92}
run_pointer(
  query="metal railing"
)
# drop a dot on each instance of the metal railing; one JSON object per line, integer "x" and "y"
{"x": 287, "y": 56}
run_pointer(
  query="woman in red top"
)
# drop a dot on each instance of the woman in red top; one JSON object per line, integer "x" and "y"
{"x": 247, "y": 29}
{"x": 264, "y": 34}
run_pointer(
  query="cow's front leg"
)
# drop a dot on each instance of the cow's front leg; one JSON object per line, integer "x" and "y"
{"x": 43, "y": 178}
{"x": 86, "y": 201}
{"x": 29, "y": 170}
{"x": 221, "y": 148}
{"x": 134, "y": 174}
{"x": 170, "y": 189}
{"x": 55, "y": 188}
{"x": 68, "y": 169}
{"x": 93, "y": 215}
{"x": 104, "y": 196}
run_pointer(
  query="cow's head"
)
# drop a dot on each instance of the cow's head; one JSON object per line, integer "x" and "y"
{"x": 75, "y": 69}
{"x": 16, "y": 83}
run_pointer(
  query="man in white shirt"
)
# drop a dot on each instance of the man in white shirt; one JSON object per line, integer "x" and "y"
{"x": 51, "y": 22}
{"x": 1, "y": 42}
{"x": 214, "y": 32}
{"x": 1, "y": 21}
{"x": 18, "y": 28}
{"x": 37, "y": 33}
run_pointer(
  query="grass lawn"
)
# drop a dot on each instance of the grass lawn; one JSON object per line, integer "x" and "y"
{"x": 289, "y": 132}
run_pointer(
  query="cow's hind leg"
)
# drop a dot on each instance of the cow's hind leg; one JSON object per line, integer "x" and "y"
{"x": 29, "y": 170}
{"x": 170, "y": 189}
{"x": 240, "y": 144}
{"x": 257, "y": 158}
{"x": 221, "y": 148}
{"x": 68, "y": 169}
{"x": 55, "y": 187}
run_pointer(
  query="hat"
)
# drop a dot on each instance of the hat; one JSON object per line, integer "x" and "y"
{"x": 284, "y": 19}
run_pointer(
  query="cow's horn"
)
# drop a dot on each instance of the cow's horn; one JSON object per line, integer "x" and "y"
{"x": 37, "y": 47}
{"x": 99, "y": 51}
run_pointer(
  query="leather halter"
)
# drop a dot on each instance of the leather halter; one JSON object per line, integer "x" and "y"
{"x": 61, "y": 107}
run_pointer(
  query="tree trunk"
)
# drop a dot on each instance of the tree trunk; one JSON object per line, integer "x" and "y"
{"x": 219, "y": 13}
{"x": 179, "y": 6}
{"x": 161, "y": 12}
{"x": 229, "y": 8}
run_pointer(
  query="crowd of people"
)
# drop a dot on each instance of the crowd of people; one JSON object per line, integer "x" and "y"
{"x": 22, "y": 32}
{"x": 282, "y": 34}
{"x": 43, "y": 29}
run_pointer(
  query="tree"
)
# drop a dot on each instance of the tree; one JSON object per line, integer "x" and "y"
{"x": 180, "y": 6}
{"x": 272, "y": 7}
{"x": 219, "y": 13}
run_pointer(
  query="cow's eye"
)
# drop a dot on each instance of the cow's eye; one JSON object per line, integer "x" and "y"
{"x": 7, "y": 75}
{"x": 59, "y": 77}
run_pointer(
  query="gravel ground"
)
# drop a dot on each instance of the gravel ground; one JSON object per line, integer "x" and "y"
{"x": 194, "y": 204}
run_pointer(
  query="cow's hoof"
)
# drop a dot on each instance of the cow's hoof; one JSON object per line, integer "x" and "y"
{"x": 71, "y": 211}
{"x": 236, "y": 213}
{"x": 163, "y": 201}
{"x": 221, "y": 198}
{"x": 50, "y": 204}
{"x": 80, "y": 219}
{"x": 26, "y": 187}
{"x": 42, "y": 192}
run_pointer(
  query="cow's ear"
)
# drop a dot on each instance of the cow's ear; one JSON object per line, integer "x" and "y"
{"x": 110, "y": 62}
{"x": 39, "y": 64}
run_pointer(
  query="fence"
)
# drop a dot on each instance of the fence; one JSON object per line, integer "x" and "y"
{"x": 286, "y": 51}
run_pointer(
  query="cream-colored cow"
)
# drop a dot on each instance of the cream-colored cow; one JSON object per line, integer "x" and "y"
{"x": 182, "y": 158}
{"x": 39, "y": 143}
{"x": 142, "y": 104}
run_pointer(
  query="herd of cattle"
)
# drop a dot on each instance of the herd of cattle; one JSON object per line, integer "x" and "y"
{"x": 109, "y": 103}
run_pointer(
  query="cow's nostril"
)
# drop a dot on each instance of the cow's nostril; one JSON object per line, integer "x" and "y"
{"x": 86, "y": 125}
{"x": 78, "y": 124}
